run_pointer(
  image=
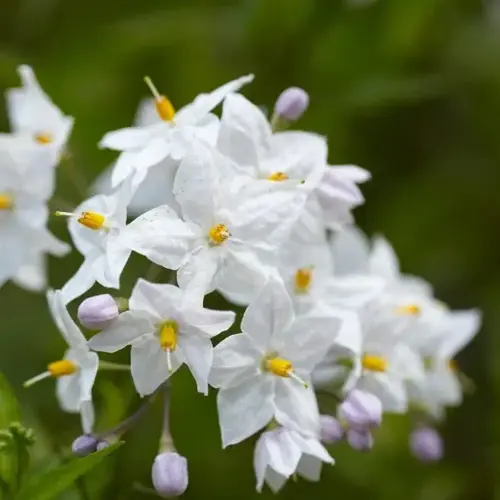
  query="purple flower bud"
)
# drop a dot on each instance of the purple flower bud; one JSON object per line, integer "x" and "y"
{"x": 331, "y": 430}
{"x": 426, "y": 444}
{"x": 170, "y": 474}
{"x": 361, "y": 410}
{"x": 291, "y": 104}
{"x": 97, "y": 312}
{"x": 360, "y": 440}
{"x": 84, "y": 445}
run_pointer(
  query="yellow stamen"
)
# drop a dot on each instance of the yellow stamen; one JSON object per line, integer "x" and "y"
{"x": 164, "y": 107}
{"x": 6, "y": 202}
{"x": 282, "y": 368}
{"x": 303, "y": 278}
{"x": 92, "y": 220}
{"x": 277, "y": 176}
{"x": 168, "y": 335}
{"x": 61, "y": 368}
{"x": 410, "y": 310}
{"x": 374, "y": 363}
{"x": 218, "y": 234}
{"x": 43, "y": 138}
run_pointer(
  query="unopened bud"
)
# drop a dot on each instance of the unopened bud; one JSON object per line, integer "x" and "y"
{"x": 102, "y": 444}
{"x": 84, "y": 445}
{"x": 170, "y": 474}
{"x": 97, "y": 312}
{"x": 361, "y": 410}
{"x": 291, "y": 104}
{"x": 360, "y": 440}
{"x": 331, "y": 430}
{"x": 426, "y": 444}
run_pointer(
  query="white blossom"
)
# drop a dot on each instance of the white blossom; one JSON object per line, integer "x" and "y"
{"x": 166, "y": 327}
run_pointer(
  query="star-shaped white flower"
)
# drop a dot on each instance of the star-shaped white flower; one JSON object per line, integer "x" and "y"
{"x": 77, "y": 370}
{"x": 26, "y": 184}
{"x": 157, "y": 187}
{"x": 95, "y": 229}
{"x": 263, "y": 373}
{"x": 282, "y": 452}
{"x": 143, "y": 147}
{"x": 35, "y": 118}
{"x": 165, "y": 328}
{"x": 442, "y": 385}
{"x": 228, "y": 235}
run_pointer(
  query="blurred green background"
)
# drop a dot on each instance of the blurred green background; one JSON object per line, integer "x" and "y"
{"x": 408, "y": 89}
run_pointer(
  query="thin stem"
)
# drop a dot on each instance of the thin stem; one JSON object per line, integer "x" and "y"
{"x": 110, "y": 366}
{"x": 74, "y": 175}
{"x": 144, "y": 489}
{"x": 166, "y": 442}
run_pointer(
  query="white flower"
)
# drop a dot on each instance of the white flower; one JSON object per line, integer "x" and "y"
{"x": 441, "y": 386}
{"x": 95, "y": 229}
{"x": 165, "y": 329}
{"x": 77, "y": 370}
{"x": 143, "y": 147}
{"x": 245, "y": 137}
{"x": 228, "y": 235}
{"x": 157, "y": 187}
{"x": 26, "y": 183}
{"x": 263, "y": 373}
{"x": 282, "y": 452}
{"x": 35, "y": 118}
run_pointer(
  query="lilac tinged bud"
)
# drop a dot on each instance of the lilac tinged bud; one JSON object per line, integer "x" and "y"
{"x": 84, "y": 445}
{"x": 360, "y": 440}
{"x": 361, "y": 410}
{"x": 97, "y": 312}
{"x": 170, "y": 474}
{"x": 331, "y": 430}
{"x": 291, "y": 104}
{"x": 426, "y": 444}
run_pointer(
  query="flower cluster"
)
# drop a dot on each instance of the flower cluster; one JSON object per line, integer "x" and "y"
{"x": 241, "y": 205}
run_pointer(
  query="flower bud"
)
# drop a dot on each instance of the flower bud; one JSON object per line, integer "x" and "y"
{"x": 331, "y": 430}
{"x": 361, "y": 410}
{"x": 84, "y": 445}
{"x": 102, "y": 444}
{"x": 97, "y": 312}
{"x": 360, "y": 440}
{"x": 170, "y": 474}
{"x": 426, "y": 444}
{"x": 291, "y": 104}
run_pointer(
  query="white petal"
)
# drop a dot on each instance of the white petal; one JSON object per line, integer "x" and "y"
{"x": 461, "y": 329}
{"x": 65, "y": 324}
{"x": 32, "y": 275}
{"x": 68, "y": 393}
{"x": 352, "y": 291}
{"x": 82, "y": 281}
{"x": 269, "y": 314}
{"x": 208, "y": 321}
{"x": 274, "y": 480}
{"x": 311, "y": 447}
{"x": 89, "y": 364}
{"x": 383, "y": 260}
{"x": 350, "y": 250}
{"x": 198, "y": 354}
{"x": 390, "y": 390}
{"x": 122, "y": 331}
{"x": 204, "y": 103}
{"x": 87, "y": 415}
{"x": 310, "y": 467}
{"x": 245, "y": 409}
{"x": 245, "y": 133}
{"x": 236, "y": 359}
{"x": 158, "y": 300}
{"x": 126, "y": 139}
{"x": 296, "y": 407}
{"x": 161, "y": 236}
{"x": 352, "y": 173}
{"x": 149, "y": 366}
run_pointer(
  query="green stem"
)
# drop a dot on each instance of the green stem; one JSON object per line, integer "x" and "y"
{"x": 74, "y": 175}
{"x": 110, "y": 366}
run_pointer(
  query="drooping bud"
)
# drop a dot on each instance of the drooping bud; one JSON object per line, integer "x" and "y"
{"x": 291, "y": 104}
{"x": 360, "y": 440}
{"x": 426, "y": 444}
{"x": 361, "y": 410}
{"x": 331, "y": 430}
{"x": 170, "y": 474}
{"x": 97, "y": 312}
{"x": 84, "y": 445}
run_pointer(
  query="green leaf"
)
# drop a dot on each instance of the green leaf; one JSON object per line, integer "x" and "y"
{"x": 49, "y": 484}
{"x": 9, "y": 413}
